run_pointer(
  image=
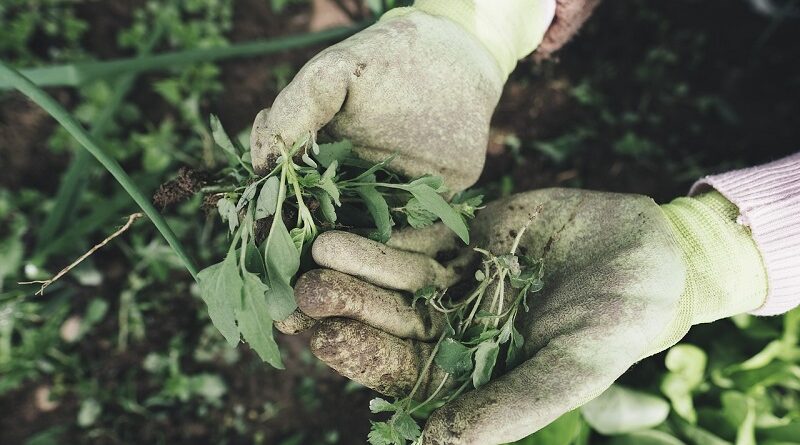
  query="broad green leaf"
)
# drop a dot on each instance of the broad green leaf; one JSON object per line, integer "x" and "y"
{"x": 254, "y": 261}
{"x": 268, "y": 198}
{"x": 405, "y": 425}
{"x": 561, "y": 431}
{"x": 337, "y": 151}
{"x": 221, "y": 137}
{"x": 689, "y": 361}
{"x": 620, "y": 410}
{"x": 453, "y": 357}
{"x": 485, "y": 359}
{"x": 379, "y": 209}
{"x": 283, "y": 260}
{"x": 435, "y": 204}
{"x": 221, "y": 288}
{"x": 255, "y": 322}
{"x": 739, "y": 410}
{"x": 434, "y": 182}
{"x": 686, "y": 364}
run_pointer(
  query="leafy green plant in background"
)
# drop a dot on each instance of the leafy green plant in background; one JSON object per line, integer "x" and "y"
{"x": 252, "y": 286}
{"x": 22, "y": 20}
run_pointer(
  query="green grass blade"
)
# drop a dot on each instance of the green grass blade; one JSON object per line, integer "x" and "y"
{"x": 37, "y": 95}
{"x": 74, "y": 181}
{"x": 78, "y": 73}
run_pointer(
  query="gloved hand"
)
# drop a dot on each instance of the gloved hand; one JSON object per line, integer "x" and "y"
{"x": 624, "y": 279}
{"x": 421, "y": 83}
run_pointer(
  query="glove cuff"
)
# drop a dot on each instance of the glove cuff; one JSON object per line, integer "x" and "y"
{"x": 509, "y": 29}
{"x": 725, "y": 272}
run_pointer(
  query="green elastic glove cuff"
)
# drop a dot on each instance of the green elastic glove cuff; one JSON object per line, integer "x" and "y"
{"x": 509, "y": 29}
{"x": 725, "y": 272}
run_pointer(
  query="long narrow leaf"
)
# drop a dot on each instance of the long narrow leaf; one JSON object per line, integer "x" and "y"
{"x": 74, "y": 181}
{"x": 37, "y": 95}
{"x": 79, "y": 73}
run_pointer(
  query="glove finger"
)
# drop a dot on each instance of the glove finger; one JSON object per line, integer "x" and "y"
{"x": 324, "y": 293}
{"x": 373, "y": 358}
{"x": 571, "y": 370}
{"x": 295, "y": 323}
{"x": 429, "y": 241}
{"x": 380, "y": 264}
{"x": 310, "y": 101}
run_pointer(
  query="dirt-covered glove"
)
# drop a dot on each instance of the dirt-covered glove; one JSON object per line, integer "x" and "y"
{"x": 624, "y": 279}
{"x": 422, "y": 83}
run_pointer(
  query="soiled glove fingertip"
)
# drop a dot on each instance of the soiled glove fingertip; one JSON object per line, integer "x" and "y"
{"x": 262, "y": 156}
{"x": 296, "y": 323}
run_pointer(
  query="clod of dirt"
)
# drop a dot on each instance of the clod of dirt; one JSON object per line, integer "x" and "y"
{"x": 179, "y": 189}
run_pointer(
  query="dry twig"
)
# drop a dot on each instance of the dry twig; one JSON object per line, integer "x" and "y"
{"x": 62, "y": 272}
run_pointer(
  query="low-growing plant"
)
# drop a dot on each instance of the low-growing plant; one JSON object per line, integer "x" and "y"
{"x": 311, "y": 188}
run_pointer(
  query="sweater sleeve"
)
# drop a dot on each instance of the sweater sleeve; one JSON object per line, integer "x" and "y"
{"x": 768, "y": 198}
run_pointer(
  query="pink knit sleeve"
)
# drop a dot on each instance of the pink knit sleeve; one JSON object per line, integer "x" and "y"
{"x": 768, "y": 197}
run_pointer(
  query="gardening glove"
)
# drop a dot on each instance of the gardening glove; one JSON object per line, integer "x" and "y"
{"x": 420, "y": 84}
{"x": 624, "y": 279}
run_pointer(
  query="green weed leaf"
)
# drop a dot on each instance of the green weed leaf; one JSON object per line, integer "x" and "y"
{"x": 228, "y": 213}
{"x": 435, "y": 204}
{"x": 268, "y": 198}
{"x": 282, "y": 259}
{"x": 255, "y": 322}
{"x": 686, "y": 364}
{"x": 379, "y": 210}
{"x": 417, "y": 216}
{"x": 221, "y": 137}
{"x": 326, "y": 206}
{"x": 337, "y": 151}
{"x": 405, "y": 425}
{"x": 382, "y": 433}
{"x": 220, "y": 288}
{"x": 485, "y": 359}
{"x": 453, "y": 357}
{"x": 379, "y": 405}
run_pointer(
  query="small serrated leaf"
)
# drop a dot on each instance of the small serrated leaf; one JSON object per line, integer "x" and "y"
{"x": 405, "y": 426}
{"x": 453, "y": 357}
